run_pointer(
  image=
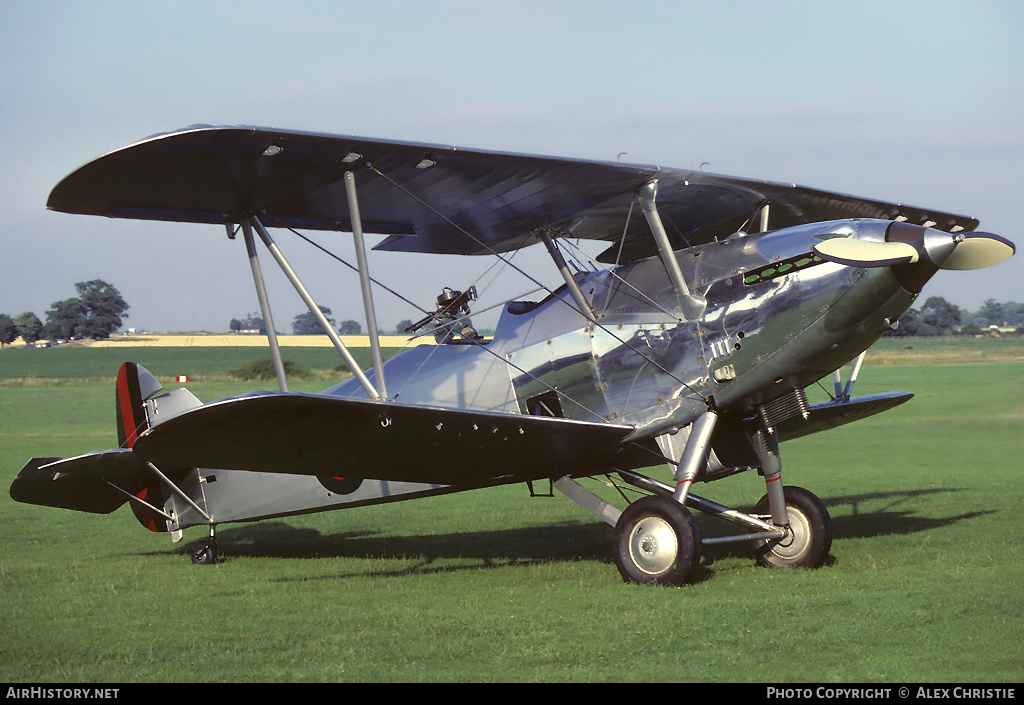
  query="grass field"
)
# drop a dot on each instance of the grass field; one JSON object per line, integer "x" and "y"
{"x": 923, "y": 583}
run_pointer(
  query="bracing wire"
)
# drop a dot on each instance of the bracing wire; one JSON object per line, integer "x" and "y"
{"x": 483, "y": 347}
{"x": 508, "y": 263}
{"x": 612, "y": 273}
{"x": 356, "y": 269}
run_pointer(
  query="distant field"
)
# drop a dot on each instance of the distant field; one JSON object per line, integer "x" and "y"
{"x": 949, "y": 349}
{"x": 923, "y": 583}
{"x": 212, "y": 357}
{"x": 97, "y": 363}
{"x": 185, "y": 340}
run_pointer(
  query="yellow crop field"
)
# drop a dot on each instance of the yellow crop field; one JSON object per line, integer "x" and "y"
{"x": 186, "y": 340}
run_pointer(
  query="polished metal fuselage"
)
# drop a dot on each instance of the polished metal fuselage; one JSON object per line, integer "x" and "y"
{"x": 777, "y": 318}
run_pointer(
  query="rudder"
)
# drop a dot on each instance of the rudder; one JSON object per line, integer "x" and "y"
{"x": 135, "y": 384}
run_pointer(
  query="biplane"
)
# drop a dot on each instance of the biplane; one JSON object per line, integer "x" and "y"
{"x": 688, "y": 342}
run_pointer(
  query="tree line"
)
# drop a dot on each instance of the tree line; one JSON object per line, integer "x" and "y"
{"x": 97, "y": 311}
{"x": 303, "y": 324}
{"x": 939, "y": 317}
{"x": 306, "y": 324}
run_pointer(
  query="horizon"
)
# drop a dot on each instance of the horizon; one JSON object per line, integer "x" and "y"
{"x": 128, "y": 331}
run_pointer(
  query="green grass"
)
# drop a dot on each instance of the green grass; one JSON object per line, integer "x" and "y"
{"x": 923, "y": 583}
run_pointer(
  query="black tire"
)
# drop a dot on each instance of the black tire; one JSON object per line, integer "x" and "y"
{"x": 204, "y": 553}
{"x": 810, "y": 539}
{"x": 657, "y": 541}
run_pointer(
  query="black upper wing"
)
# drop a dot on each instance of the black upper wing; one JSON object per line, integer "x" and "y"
{"x": 435, "y": 198}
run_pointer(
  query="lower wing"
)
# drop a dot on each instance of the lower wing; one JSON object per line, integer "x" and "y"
{"x": 310, "y": 434}
{"x": 843, "y": 410}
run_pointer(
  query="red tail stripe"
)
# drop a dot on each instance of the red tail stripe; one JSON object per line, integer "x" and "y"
{"x": 145, "y": 516}
{"x": 127, "y": 412}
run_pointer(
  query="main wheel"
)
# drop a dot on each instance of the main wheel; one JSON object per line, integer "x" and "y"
{"x": 656, "y": 541}
{"x": 809, "y": 538}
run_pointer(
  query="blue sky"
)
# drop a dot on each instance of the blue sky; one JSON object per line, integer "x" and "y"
{"x": 918, "y": 102}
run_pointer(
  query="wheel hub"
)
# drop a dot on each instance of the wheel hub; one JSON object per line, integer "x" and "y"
{"x": 653, "y": 545}
{"x": 797, "y": 538}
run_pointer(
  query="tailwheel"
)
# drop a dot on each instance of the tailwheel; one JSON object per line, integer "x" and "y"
{"x": 657, "y": 541}
{"x": 809, "y": 535}
{"x": 205, "y": 553}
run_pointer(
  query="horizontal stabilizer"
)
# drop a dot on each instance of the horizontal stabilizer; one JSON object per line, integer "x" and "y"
{"x": 839, "y": 411}
{"x": 311, "y": 434}
{"x": 80, "y": 483}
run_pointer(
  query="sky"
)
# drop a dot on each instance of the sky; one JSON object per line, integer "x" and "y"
{"x": 915, "y": 102}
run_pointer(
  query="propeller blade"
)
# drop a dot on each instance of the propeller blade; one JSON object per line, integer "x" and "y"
{"x": 866, "y": 253}
{"x": 909, "y": 243}
{"x": 979, "y": 250}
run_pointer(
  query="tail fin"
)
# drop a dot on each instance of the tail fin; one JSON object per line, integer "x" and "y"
{"x": 135, "y": 385}
{"x": 138, "y": 408}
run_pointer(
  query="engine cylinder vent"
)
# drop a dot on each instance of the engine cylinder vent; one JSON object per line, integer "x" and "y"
{"x": 783, "y": 408}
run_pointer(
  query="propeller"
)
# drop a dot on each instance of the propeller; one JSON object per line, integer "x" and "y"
{"x": 905, "y": 244}
{"x": 866, "y": 253}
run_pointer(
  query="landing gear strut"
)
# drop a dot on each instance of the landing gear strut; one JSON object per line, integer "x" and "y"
{"x": 808, "y": 536}
{"x": 656, "y": 539}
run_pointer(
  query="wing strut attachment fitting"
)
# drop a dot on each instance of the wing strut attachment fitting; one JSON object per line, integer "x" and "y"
{"x": 178, "y": 491}
{"x": 693, "y": 306}
{"x": 837, "y": 376}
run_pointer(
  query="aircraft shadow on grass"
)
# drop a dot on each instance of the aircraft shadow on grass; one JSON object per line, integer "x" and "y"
{"x": 854, "y": 516}
{"x": 860, "y": 516}
{"x": 564, "y": 541}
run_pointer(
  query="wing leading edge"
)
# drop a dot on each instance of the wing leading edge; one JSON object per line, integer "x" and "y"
{"x": 434, "y": 198}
